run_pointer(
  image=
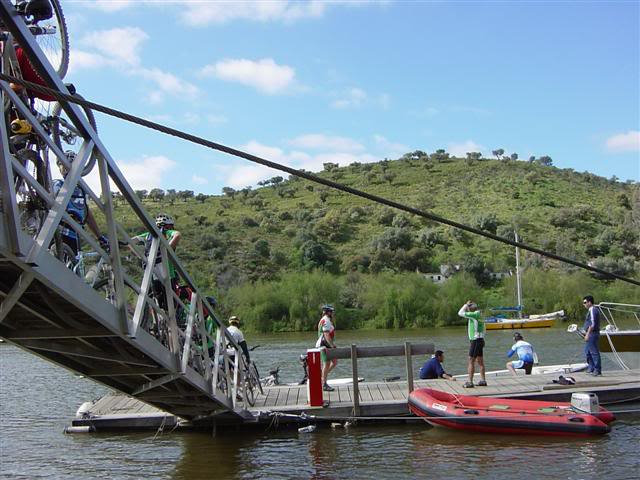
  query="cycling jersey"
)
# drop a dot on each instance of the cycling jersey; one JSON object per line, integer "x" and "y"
{"x": 475, "y": 327}
{"x": 524, "y": 351}
{"x": 325, "y": 325}
{"x": 76, "y": 208}
{"x": 146, "y": 238}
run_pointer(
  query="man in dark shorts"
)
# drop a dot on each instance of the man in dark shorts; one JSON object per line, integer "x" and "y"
{"x": 475, "y": 329}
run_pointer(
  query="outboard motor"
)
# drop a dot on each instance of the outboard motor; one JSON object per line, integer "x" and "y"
{"x": 585, "y": 402}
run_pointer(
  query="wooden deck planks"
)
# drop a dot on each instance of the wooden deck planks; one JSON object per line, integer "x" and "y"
{"x": 390, "y": 398}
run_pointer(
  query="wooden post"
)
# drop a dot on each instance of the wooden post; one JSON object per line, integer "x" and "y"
{"x": 408, "y": 357}
{"x": 356, "y": 387}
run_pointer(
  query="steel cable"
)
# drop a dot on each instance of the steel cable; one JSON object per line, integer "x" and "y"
{"x": 306, "y": 175}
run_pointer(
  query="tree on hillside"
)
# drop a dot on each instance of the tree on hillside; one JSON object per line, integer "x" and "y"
{"x": 532, "y": 159}
{"x": 275, "y": 181}
{"x": 229, "y": 192}
{"x": 329, "y": 167}
{"x": 545, "y": 160}
{"x": 171, "y": 196}
{"x": 498, "y": 153}
{"x": 439, "y": 155}
{"x": 141, "y": 194}
{"x": 201, "y": 197}
{"x": 514, "y": 156}
{"x": 389, "y": 177}
{"x": 157, "y": 194}
{"x": 323, "y": 194}
{"x": 185, "y": 195}
{"x": 473, "y": 157}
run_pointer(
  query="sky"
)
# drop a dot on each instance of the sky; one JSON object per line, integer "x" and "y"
{"x": 309, "y": 82}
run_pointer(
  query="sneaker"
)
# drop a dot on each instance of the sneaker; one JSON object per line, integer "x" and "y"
{"x": 482, "y": 383}
{"x": 596, "y": 374}
{"x": 467, "y": 385}
{"x": 589, "y": 371}
{"x": 328, "y": 388}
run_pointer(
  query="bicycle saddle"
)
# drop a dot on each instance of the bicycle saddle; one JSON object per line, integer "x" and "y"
{"x": 38, "y": 9}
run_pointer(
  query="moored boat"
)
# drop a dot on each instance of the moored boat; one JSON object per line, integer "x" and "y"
{"x": 582, "y": 417}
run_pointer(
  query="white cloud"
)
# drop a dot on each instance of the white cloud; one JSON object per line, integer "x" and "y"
{"x": 142, "y": 174}
{"x": 624, "y": 142}
{"x": 120, "y": 49}
{"x": 241, "y": 176}
{"x": 318, "y": 141}
{"x": 199, "y": 180}
{"x": 200, "y": 14}
{"x": 353, "y": 98}
{"x": 81, "y": 60}
{"x": 264, "y": 75}
{"x": 461, "y": 149}
{"x": 109, "y": 6}
{"x": 390, "y": 149}
{"x": 147, "y": 172}
{"x": 119, "y": 45}
{"x": 166, "y": 83}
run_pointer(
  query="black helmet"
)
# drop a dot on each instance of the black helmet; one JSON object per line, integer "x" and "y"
{"x": 517, "y": 336}
{"x": 39, "y": 10}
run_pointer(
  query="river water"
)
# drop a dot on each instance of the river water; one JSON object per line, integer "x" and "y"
{"x": 38, "y": 399}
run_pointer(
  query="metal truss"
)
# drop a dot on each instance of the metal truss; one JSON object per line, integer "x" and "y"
{"x": 144, "y": 337}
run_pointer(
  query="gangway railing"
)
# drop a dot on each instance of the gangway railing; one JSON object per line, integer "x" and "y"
{"x": 138, "y": 333}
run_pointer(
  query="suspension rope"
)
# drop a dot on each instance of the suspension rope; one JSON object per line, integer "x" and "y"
{"x": 306, "y": 175}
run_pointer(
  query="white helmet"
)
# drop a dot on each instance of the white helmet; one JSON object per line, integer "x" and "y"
{"x": 164, "y": 219}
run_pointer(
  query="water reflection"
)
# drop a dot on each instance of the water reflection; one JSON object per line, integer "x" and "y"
{"x": 38, "y": 399}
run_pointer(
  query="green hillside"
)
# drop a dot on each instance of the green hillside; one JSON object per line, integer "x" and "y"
{"x": 292, "y": 226}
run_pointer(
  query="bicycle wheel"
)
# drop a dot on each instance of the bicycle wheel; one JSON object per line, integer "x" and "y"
{"x": 255, "y": 376}
{"x": 32, "y": 209}
{"x": 64, "y": 253}
{"x": 248, "y": 391}
{"x": 67, "y": 136}
{"x": 53, "y": 39}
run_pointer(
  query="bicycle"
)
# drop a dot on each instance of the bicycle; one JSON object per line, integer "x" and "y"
{"x": 251, "y": 383}
{"x": 29, "y": 148}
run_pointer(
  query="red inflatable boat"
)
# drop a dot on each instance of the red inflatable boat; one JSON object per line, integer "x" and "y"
{"x": 500, "y": 415}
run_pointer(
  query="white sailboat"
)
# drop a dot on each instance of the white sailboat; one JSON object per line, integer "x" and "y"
{"x": 500, "y": 322}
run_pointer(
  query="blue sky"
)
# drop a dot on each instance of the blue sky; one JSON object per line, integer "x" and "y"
{"x": 305, "y": 83}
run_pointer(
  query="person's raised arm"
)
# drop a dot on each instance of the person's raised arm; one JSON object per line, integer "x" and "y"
{"x": 463, "y": 310}
{"x": 175, "y": 239}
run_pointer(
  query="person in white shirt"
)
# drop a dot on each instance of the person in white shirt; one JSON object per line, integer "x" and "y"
{"x": 236, "y": 333}
{"x": 525, "y": 355}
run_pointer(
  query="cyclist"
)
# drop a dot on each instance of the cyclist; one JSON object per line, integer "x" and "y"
{"x": 326, "y": 334}
{"x": 165, "y": 224}
{"x": 238, "y": 336}
{"x": 78, "y": 209}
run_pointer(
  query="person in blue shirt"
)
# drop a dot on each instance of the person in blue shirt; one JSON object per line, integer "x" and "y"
{"x": 433, "y": 368}
{"x": 525, "y": 355}
{"x": 592, "y": 336}
{"x": 78, "y": 209}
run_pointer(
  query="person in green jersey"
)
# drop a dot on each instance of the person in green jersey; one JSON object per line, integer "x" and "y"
{"x": 165, "y": 224}
{"x": 475, "y": 330}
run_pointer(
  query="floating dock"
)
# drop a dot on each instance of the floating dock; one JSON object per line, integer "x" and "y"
{"x": 379, "y": 401}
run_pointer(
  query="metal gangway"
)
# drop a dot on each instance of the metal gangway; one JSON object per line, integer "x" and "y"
{"x": 137, "y": 333}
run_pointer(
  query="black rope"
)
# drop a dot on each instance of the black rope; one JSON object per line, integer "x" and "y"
{"x": 306, "y": 175}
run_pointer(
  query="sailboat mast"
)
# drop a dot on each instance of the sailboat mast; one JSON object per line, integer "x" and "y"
{"x": 518, "y": 285}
